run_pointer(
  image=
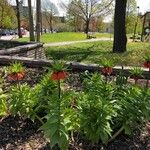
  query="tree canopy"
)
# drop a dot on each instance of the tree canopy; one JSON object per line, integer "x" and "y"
{"x": 88, "y": 9}
{"x": 7, "y": 15}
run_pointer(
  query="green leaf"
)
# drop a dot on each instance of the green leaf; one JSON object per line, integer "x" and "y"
{"x": 127, "y": 129}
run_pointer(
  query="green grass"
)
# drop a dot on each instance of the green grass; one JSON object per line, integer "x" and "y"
{"x": 95, "y": 51}
{"x": 65, "y": 36}
{"x": 104, "y": 35}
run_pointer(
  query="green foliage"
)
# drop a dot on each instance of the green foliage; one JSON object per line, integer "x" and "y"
{"x": 106, "y": 63}
{"x": 96, "y": 109}
{"x": 60, "y": 118}
{"x": 103, "y": 107}
{"x": 43, "y": 92}
{"x": 3, "y": 103}
{"x": 22, "y": 100}
{"x": 121, "y": 79}
{"x": 136, "y": 71}
{"x": 58, "y": 66}
{"x": 3, "y": 99}
{"x": 130, "y": 24}
{"x": 133, "y": 107}
{"x": 16, "y": 67}
{"x": 147, "y": 57}
{"x": 7, "y": 15}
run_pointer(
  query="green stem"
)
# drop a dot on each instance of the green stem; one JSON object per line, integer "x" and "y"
{"x": 147, "y": 82}
{"x": 39, "y": 119}
{"x": 59, "y": 103}
{"x": 59, "y": 89}
{"x": 106, "y": 78}
{"x": 136, "y": 82}
{"x": 116, "y": 134}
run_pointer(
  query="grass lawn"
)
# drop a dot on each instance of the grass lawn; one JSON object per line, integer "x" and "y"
{"x": 95, "y": 51}
{"x": 65, "y": 36}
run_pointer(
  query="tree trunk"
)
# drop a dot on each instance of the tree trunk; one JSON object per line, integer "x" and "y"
{"x": 18, "y": 18}
{"x": 51, "y": 23}
{"x": 120, "y": 39}
{"x": 87, "y": 27}
{"x": 31, "y": 25}
{"x": 38, "y": 20}
{"x": 75, "y": 24}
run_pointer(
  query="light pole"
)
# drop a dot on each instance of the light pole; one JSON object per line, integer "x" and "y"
{"x": 138, "y": 8}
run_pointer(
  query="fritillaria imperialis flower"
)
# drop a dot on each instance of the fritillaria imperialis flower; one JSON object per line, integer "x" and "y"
{"x": 16, "y": 76}
{"x": 59, "y": 75}
{"x": 147, "y": 64}
{"x": 107, "y": 70}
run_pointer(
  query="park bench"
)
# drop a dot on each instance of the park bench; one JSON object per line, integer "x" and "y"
{"x": 91, "y": 36}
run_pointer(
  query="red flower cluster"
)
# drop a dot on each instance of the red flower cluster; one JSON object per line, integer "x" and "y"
{"x": 16, "y": 76}
{"x": 147, "y": 64}
{"x": 107, "y": 70}
{"x": 60, "y": 75}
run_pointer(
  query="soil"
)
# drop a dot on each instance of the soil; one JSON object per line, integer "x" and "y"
{"x": 17, "y": 133}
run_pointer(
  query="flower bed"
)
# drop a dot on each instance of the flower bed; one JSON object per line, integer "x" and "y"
{"x": 77, "y": 110}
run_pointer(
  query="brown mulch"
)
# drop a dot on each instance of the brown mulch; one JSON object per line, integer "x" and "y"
{"x": 17, "y": 133}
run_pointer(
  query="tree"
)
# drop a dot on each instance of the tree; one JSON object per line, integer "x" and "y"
{"x": 7, "y": 15}
{"x": 49, "y": 10}
{"x": 120, "y": 39}
{"x": 75, "y": 21}
{"x": 18, "y": 17}
{"x": 87, "y": 9}
{"x": 38, "y": 20}
{"x": 131, "y": 15}
{"x": 131, "y": 7}
{"x": 31, "y": 25}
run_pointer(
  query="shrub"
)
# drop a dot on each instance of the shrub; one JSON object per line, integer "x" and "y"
{"x": 96, "y": 109}
{"x": 22, "y": 101}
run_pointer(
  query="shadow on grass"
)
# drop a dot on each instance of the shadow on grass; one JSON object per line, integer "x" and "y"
{"x": 95, "y": 52}
{"x": 74, "y": 54}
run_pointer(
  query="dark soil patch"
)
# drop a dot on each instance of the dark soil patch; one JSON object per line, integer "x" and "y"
{"x": 17, "y": 133}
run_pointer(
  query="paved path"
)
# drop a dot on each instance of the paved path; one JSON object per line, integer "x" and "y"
{"x": 74, "y": 42}
{"x": 12, "y": 37}
{"x": 9, "y": 37}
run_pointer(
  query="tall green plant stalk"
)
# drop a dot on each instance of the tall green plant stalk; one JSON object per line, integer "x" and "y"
{"x": 59, "y": 103}
{"x": 116, "y": 134}
{"x": 59, "y": 90}
{"x": 147, "y": 83}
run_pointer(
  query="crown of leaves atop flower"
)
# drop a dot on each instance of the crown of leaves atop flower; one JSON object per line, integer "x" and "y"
{"x": 136, "y": 71}
{"x": 16, "y": 67}
{"x": 106, "y": 63}
{"x": 147, "y": 57}
{"x": 58, "y": 66}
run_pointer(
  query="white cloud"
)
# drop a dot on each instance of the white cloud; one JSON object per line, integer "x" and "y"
{"x": 144, "y": 5}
